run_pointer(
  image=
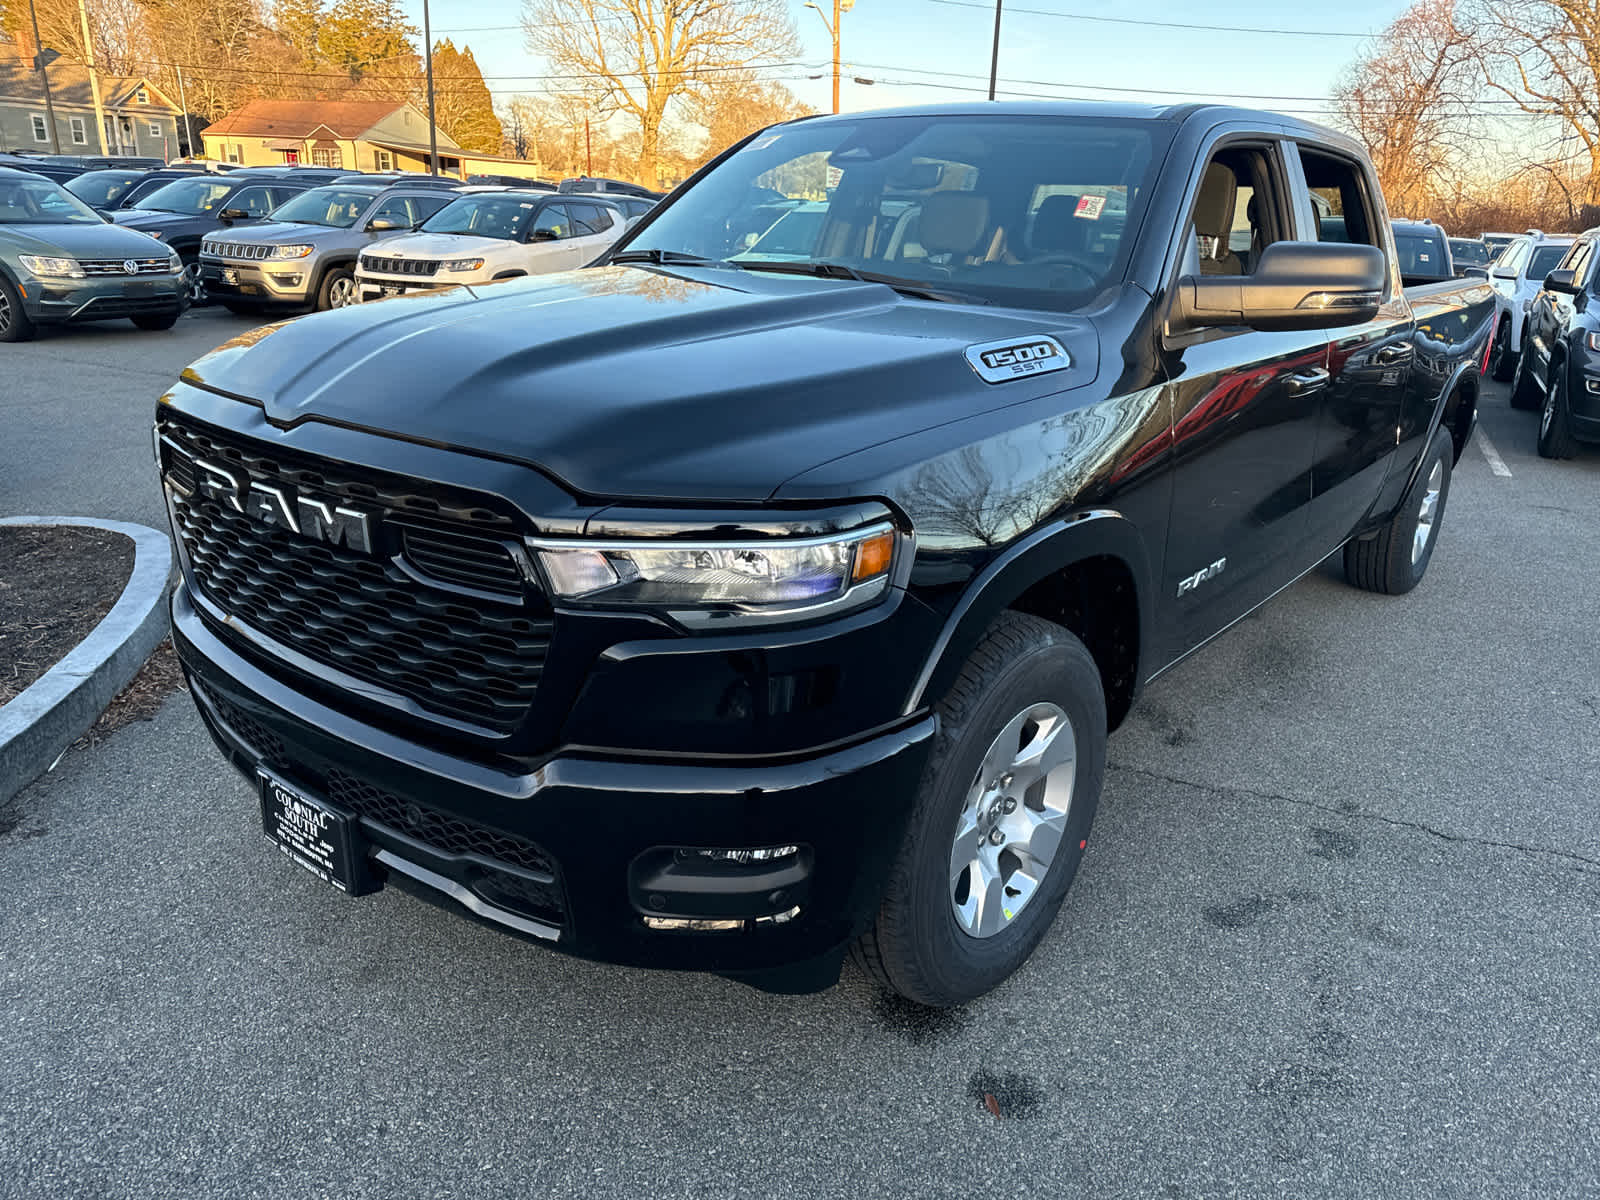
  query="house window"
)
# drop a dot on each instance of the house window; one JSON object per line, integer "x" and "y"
{"x": 41, "y": 132}
{"x": 155, "y": 130}
{"x": 80, "y": 137}
{"x": 235, "y": 152}
{"x": 143, "y": 96}
{"x": 382, "y": 160}
{"x": 325, "y": 158}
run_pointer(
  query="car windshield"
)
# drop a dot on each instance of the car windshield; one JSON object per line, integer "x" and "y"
{"x": 335, "y": 207}
{"x": 102, "y": 189}
{"x": 1545, "y": 259}
{"x": 1469, "y": 253}
{"x": 191, "y": 196}
{"x": 1026, "y": 210}
{"x": 40, "y": 202}
{"x": 494, "y": 215}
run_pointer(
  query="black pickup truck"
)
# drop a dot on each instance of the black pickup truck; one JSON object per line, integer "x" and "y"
{"x": 722, "y": 610}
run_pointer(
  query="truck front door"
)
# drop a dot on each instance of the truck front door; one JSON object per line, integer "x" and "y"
{"x": 1243, "y": 416}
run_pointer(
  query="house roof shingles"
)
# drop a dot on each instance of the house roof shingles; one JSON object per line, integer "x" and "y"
{"x": 69, "y": 84}
{"x": 298, "y": 118}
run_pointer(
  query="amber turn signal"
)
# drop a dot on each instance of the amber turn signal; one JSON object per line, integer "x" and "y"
{"x": 873, "y": 556}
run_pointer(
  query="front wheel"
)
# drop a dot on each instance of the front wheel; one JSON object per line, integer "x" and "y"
{"x": 1394, "y": 559}
{"x": 338, "y": 289}
{"x": 1524, "y": 392}
{"x": 1555, "y": 421}
{"x": 15, "y": 324}
{"x": 193, "y": 285}
{"x": 1502, "y": 358}
{"x": 1001, "y": 817}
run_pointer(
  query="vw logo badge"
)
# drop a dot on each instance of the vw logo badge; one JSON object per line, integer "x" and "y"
{"x": 130, "y": 266}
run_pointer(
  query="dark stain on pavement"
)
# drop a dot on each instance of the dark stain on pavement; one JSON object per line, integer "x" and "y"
{"x": 11, "y": 827}
{"x": 1016, "y": 1095}
{"x": 1247, "y": 910}
{"x": 1330, "y": 843}
{"x": 915, "y": 1024}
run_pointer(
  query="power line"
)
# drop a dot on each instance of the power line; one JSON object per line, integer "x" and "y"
{"x": 1208, "y": 27}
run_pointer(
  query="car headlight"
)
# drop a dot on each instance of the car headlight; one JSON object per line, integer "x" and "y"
{"x": 174, "y": 263}
{"x": 463, "y": 264}
{"x": 51, "y": 268}
{"x": 711, "y": 584}
{"x": 291, "y": 251}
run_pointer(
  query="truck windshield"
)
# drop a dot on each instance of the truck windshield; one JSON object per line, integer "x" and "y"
{"x": 334, "y": 207}
{"x": 491, "y": 216}
{"x": 40, "y": 202}
{"x": 1037, "y": 211}
{"x": 191, "y": 196}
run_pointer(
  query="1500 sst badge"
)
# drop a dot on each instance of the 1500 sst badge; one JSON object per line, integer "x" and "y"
{"x": 996, "y": 362}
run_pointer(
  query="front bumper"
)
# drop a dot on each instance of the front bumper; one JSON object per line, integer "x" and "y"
{"x": 600, "y": 821}
{"x": 287, "y": 282}
{"x": 381, "y": 287}
{"x": 104, "y": 298}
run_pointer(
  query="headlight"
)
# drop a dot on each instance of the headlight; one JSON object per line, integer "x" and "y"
{"x": 51, "y": 268}
{"x": 291, "y": 251}
{"x": 708, "y": 584}
{"x": 463, "y": 264}
{"x": 1592, "y": 341}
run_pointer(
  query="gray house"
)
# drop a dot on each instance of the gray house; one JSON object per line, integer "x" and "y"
{"x": 140, "y": 119}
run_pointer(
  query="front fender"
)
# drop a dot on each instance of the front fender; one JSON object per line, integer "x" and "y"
{"x": 1052, "y": 548}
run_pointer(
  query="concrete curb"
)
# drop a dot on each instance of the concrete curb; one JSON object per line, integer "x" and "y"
{"x": 58, "y": 708}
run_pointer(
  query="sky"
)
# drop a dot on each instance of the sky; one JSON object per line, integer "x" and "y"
{"x": 928, "y": 51}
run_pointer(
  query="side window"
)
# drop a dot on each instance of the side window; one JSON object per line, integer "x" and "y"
{"x": 400, "y": 210}
{"x": 583, "y": 219}
{"x": 1512, "y": 260}
{"x": 1579, "y": 263}
{"x": 1339, "y": 200}
{"x": 597, "y": 217}
{"x": 426, "y": 206}
{"x": 256, "y": 201}
{"x": 553, "y": 220}
{"x": 1237, "y": 213}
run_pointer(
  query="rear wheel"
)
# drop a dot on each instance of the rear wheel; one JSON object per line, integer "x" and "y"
{"x": 1502, "y": 359}
{"x": 15, "y": 324}
{"x": 338, "y": 289}
{"x": 1001, "y": 817}
{"x": 1524, "y": 392}
{"x": 1394, "y": 559}
{"x": 1555, "y": 421}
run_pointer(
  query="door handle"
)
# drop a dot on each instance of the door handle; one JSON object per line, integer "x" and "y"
{"x": 1390, "y": 355}
{"x": 1303, "y": 383}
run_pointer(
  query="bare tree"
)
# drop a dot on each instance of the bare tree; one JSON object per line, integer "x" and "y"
{"x": 737, "y": 103}
{"x": 641, "y": 55}
{"x": 1544, "y": 55}
{"x": 1408, "y": 100}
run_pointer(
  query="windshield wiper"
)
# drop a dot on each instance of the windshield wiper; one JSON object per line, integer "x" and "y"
{"x": 916, "y": 288}
{"x": 667, "y": 258}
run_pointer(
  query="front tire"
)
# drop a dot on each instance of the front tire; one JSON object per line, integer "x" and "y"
{"x": 1502, "y": 358}
{"x": 338, "y": 289}
{"x": 1555, "y": 420}
{"x": 193, "y": 285}
{"x": 1524, "y": 392}
{"x": 1001, "y": 815}
{"x": 15, "y": 324}
{"x": 1393, "y": 560}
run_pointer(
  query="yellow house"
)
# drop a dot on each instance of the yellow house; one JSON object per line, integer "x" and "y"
{"x": 358, "y": 135}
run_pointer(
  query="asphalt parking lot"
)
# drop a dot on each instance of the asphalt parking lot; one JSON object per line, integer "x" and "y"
{"x": 1337, "y": 933}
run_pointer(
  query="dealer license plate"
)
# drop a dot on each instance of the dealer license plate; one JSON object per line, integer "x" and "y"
{"x": 394, "y": 291}
{"x": 320, "y": 838}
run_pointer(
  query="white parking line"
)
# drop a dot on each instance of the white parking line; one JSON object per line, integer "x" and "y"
{"x": 1496, "y": 463}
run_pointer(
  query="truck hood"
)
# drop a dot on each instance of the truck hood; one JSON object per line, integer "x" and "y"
{"x": 149, "y": 219}
{"x": 443, "y": 245}
{"x": 81, "y": 241}
{"x": 626, "y": 382}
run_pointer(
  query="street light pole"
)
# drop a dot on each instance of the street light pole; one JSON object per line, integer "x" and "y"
{"x": 44, "y": 81}
{"x": 188, "y": 130}
{"x": 433, "y": 128}
{"x": 994, "y": 56}
{"x": 840, "y": 7}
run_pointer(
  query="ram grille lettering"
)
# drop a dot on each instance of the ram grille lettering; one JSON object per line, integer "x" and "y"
{"x": 319, "y": 520}
{"x": 996, "y": 362}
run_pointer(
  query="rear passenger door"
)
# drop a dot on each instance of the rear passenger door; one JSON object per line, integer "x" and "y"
{"x": 597, "y": 226}
{"x": 1371, "y": 366}
{"x": 553, "y": 241}
{"x": 1244, "y": 414}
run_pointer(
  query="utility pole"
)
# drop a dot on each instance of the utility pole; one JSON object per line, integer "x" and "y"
{"x": 188, "y": 130}
{"x": 41, "y": 63}
{"x": 94, "y": 76}
{"x": 840, "y": 7}
{"x": 588, "y": 149}
{"x": 994, "y": 56}
{"x": 433, "y": 128}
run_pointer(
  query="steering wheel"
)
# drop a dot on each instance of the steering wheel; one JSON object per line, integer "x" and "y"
{"x": 1066, "y": 260}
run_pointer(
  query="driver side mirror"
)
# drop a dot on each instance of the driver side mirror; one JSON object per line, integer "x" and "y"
{"x": 229, "y": 215}
{"x": 384, "y": 225}
{"x": 1296, "y": 285}
{"x": 1561, "y": 281}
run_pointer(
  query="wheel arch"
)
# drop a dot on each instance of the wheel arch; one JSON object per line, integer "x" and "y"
{"x": 332, "y": 263}
{"x": 1089, "y": 573}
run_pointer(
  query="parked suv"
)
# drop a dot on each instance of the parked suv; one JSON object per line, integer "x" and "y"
{"x": 489, "y": 234}
{"x": 1558, "y": 371}
{"x": 114, "y": 188}
{"x": 60, "y": 261}
{"x": 305, "y": 256}
{"x": 185, "y": 210}
{"x": 1517, "y": 276}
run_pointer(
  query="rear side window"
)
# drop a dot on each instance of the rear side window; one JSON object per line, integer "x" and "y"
{"x": 1545, "y": 259}
{"x": 1579, "y": 263}
{"x": 1340, "y": 205}
{"x": 589, "y": 218}
{"x": 257, "y": 201}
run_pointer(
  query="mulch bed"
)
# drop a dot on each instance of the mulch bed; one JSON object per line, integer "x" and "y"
{"x": 56, "y": 583}
{"x": 139, "y": 701}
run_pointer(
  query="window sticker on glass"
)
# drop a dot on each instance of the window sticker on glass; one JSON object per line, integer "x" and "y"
{"x": 1090, "y": 207}
{"x": 761, "y": 143}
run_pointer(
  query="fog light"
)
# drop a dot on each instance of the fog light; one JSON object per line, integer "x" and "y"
{"x": 703, "y": 925}
{"x": 287, "y": 280}
{"x": 738, "y": 857}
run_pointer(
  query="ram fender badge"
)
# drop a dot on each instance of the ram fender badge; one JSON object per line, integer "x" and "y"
{"x": 1190, "y": 582}
{"x": 1014, "y": 358}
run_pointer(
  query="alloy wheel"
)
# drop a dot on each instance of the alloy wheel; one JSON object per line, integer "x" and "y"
{"x": 342, "y": 292}
{"x": 1551, "y": 399}
{"x": 193, "y": 284}
{"x": 1428, "y": 513}
{"x": 5, "y": 312}
{"x": 1014, "y": 818}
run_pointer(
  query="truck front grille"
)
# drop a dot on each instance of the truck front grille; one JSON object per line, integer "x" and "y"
{"x": 453, "y": 631}
{"x": 400, "y": 266}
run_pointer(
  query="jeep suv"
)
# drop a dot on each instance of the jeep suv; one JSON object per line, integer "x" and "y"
{"x": 1517, "y": 275}
{"x": 305, "y": 256}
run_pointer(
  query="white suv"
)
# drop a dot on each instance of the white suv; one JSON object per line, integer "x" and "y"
{"x": 1518, "y": 275}
{"x": 487, "y": 234}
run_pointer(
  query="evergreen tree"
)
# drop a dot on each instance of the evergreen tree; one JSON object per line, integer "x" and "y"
{"x": 462, "y": 102}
